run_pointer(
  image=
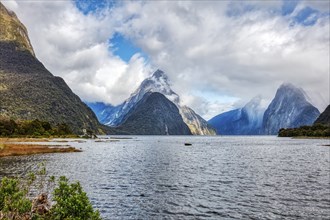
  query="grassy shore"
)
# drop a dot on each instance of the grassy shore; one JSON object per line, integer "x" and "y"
{"x": 23, "y": 139}
{"x": 19, "y": 146}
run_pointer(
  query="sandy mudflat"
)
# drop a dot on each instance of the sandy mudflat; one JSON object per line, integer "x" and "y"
{"x": 16, "y": 147}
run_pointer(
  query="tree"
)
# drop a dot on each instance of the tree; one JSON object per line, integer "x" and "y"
{"x": 63, "y": 129}
{"x": 7, "y": 127}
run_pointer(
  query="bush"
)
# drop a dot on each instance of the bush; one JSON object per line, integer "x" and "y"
{"x": 69, "y": 201}
{"x": 72, "y": 202}
{"x": 13, "y": 198}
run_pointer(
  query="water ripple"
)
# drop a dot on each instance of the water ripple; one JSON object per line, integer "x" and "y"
{"x": 215, "y": 178}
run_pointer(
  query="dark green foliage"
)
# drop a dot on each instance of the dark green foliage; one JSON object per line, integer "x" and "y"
{"x": 7, "y": 127}
{"x": 35, "y": 128}
{"x": 63, "y": 129}
{"x": 317, "y": 130}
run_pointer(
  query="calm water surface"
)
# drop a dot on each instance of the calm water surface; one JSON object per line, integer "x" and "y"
{"x": 152, "y": 177}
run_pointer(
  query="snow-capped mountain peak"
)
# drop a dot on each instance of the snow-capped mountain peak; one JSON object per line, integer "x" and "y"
{"x": 157, "y": 82}
{"x": 159, "y": 74}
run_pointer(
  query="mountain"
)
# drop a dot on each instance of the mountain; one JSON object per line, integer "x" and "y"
{"x": 242, "y": 121}
{"x": 28, "y": 90}
{"x": 288, "y": 109}
{"x": 324, "y": 117}
{"x": 196, "y": 124}
{"x": 154, "y": 114}
{"x": 113, "y": 115}
{"x": 12, "y": 30}
{"x": 158, "y": 82}
{"x": 102, "y": 110}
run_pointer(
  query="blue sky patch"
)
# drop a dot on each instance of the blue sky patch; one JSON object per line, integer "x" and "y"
{"x": 288, "y": 7}
{"x": 124, "y": 48}
{"x": 91, "y": 6}
{"x": 307, "y": 16}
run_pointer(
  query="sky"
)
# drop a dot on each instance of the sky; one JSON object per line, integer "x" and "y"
{"x": 217, "y": 54}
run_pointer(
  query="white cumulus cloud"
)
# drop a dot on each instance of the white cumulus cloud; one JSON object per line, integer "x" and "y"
{"x": 229, "y": 49}
{"x": 218, "y": 54}
{"x": 75, "y": 46}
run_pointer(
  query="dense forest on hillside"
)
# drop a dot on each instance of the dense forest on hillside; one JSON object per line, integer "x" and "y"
{"x": 317, "y": 130}
{"x": 34, "y": 128}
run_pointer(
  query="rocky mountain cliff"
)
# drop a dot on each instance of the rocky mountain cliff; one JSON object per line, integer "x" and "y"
{"x": 28, "y": 90}
{"x": 324, "y": 117}
{"x": 154, "y": 114}
{"x": 12, "y": 30}
{"x": 158, "y": 82}
{"x": 242, "y": 121}
{"x": 288, "y": 109}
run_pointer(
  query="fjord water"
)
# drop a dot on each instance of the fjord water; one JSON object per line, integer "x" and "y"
{"x": 153, "y": 177}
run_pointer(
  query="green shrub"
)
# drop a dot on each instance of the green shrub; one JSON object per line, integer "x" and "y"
{"x": 13, "y": 198}
{"x": 69, "y": 201}
{"x": 72, "y": 202}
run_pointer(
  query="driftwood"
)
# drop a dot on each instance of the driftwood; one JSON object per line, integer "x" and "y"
{"x": 41, "y": 205}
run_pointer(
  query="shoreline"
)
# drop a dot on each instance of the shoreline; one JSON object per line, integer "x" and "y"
{"x": 310, "y": 137}
{"x": 21, "y": 146}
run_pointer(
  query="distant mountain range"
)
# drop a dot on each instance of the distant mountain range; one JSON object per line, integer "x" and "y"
{"x": 158, "y": 82}
{"x": 288, "y": 109}
{"x": 29, "y": 91}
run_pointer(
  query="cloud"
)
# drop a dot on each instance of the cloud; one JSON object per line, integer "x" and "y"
{"x": 241, "y": 54}
{"x": 75, "y": 46}
{"x": 218, "y": 54}
{"x": 321, "y": 5}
